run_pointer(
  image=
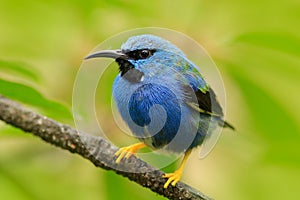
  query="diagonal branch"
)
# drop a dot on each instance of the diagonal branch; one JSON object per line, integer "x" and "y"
{"x": 96, "y": 149}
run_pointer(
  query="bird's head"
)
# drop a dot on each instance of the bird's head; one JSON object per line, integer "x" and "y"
{"x": 142, "y": 55}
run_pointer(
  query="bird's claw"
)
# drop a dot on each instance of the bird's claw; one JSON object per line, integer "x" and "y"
{"x": 124, "y": 152}
{"x": 173, "y": 178}
{"x": 127, "y": 152}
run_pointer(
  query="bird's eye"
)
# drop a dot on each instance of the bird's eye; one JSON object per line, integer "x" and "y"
{"x": 140, "y": 54}
{"x": 145, "y": 54}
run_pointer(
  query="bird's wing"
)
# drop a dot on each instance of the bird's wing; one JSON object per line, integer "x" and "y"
{"x": 206, "y": 102}
{"x": 199, "y": 95}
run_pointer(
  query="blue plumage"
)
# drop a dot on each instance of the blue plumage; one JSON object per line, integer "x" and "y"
{"x": 166, "y": 73}
{"x": 162, "y": 97}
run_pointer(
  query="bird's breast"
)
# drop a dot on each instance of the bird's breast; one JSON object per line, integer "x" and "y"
{"x": 155, "y": 112}
{"x": 148, "y": 104}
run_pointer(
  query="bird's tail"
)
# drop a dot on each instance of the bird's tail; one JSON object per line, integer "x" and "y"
{"x": 225, "y": 124}
{"x": 228, "y": 125}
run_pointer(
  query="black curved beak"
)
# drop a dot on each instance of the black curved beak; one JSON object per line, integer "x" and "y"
{"x": 107, "y": 54}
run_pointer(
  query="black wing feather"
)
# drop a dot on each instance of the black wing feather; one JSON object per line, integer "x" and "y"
{"x": 207, "y": 103}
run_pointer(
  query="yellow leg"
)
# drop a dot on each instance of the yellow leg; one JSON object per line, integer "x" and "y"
{"x": 128, "y": 151}
{"x": 175, "y": 177}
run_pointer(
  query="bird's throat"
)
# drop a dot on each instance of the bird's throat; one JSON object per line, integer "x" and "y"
{"x": 128, "y": 71}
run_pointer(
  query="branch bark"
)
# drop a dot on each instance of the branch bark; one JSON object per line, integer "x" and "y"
{"x": 96, "y": 149}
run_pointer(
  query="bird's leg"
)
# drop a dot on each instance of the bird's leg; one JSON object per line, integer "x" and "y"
{"x": 175, "y": 176}
{"x": 128, "y": 151}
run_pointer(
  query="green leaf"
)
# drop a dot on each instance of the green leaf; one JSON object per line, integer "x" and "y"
{"x": 32, "y": 97}
{"x": 20, "y": 68}
{"x": 268, "y": 116}
{"x": 277, "y": 41}
{"x": 14, "y": 188}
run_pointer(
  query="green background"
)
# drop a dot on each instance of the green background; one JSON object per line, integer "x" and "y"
{"x": 255, "y": 44}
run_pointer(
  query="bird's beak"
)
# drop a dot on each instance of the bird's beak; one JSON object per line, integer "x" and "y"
{"x": 107, "y": 54}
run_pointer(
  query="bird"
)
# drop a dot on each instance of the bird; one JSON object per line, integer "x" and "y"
{"x": 163, "y": 98}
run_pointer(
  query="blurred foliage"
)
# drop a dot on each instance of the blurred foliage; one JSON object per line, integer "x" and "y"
{"x": 254, "y": 43}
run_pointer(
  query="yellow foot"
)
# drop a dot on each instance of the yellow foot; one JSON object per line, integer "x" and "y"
{"x": 173, "y": 178}
{"x": 128, "y": 151}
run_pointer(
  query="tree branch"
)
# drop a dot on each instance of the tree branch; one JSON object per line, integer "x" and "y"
{"x": 97, "y": 150}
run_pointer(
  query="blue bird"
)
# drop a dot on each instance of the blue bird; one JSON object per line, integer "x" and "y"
{"x": 163, "y": 98}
